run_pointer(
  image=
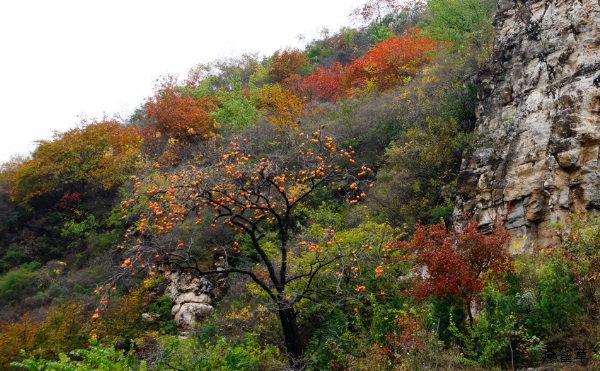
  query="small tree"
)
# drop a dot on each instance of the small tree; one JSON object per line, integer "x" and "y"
{"x": 456, "y": 265}
{"x": 325, "y": 83}
{"x": 281, "y": 107}
{"x": 174, "y": 114}
{"x": 287, "y": 62}
{"x": 255, "y": 198}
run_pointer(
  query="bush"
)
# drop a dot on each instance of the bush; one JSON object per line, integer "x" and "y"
{"x": 97, "y": 357}
{"x": 18, "y": 283}
{"x": 189, "y": 354}
{"x": 165, "y": 323}
{"x": 64, "y": 328}
{"x": 494, "y": 337}
{"x": 98, "y": 156}
{"x": 12, "y": 258}
{"x": 460, "y": 21}
{"x": 421, "y": 170}
{"x": 122, "y": 322}
{"x": 555, "y": 301}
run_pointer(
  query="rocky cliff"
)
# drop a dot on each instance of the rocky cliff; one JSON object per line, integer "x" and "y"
{"x": 537, "y": 157}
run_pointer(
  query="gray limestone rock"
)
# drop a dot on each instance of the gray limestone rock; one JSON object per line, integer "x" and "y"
{"x": 539, "y": 120}
{"x": 192, "y": 298}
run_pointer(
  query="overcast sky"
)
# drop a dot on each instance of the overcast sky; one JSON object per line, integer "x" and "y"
{"x": 61, "y": 60}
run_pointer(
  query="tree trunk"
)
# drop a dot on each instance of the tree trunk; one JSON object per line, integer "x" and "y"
{"x": 469, "y": 312}
{"x": 291, "y": 333}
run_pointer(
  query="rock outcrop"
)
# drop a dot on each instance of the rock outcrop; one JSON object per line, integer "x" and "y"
{"x": 537, "y": 158}
{"x": 192, "y": 298}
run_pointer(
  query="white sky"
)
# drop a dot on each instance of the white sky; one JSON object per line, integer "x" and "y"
{"x": 62, "y": 59}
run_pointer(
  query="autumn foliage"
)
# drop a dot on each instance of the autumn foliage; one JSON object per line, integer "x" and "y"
{"x": 286, "y": 220}
{"x": 99, "y": 155}
{"x": 282, "y": 108}
{"x": 325, "y": 83}
{"x": 171, "y": 113}
{"x": 250, "y": 196}
{"x": 455, "y": 265}
{"x": 63, "y": 329}
{"x": 286, "y": 63}
{"x": 390, "y": 63}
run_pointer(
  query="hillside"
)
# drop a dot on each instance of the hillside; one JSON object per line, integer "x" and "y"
{"x": 296, "y": 211}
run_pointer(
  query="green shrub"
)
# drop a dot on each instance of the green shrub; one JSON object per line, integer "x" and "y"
{"x": 326, "y": 345}
{"x": 97, "y": 357}
{"x": 208, "y": 333}
{"x": 12, "y": 258}
{"x": 75, "y": 232}
{"x": 442, "y": 313}
{"x": 460, "y": 21}
{"x": 555, "y": 301}
{"x": 189, "y": 354}
{"x": 236, "y": 109}
{"x": 16, "y": 284}
{"x": 162, "y": 307}
{"x": 379, "y": 32}
{"x": 493, "y": 339}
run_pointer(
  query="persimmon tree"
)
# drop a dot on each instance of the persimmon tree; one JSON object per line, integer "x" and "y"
{"x": 455, "y": 265}
{"x": 256, "y": 198}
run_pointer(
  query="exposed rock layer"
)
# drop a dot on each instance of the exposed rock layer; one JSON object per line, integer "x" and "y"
{"x": 191, "y": 297}
{"x": 536, "y": 160}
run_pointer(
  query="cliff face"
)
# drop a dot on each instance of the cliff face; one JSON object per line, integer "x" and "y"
{"x": 537, "y": 158}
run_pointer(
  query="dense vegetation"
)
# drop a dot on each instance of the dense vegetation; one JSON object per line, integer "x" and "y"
{"x": 325, "y": 177}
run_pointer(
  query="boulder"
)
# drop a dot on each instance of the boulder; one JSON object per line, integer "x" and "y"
{"x": 192, "y": 298}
